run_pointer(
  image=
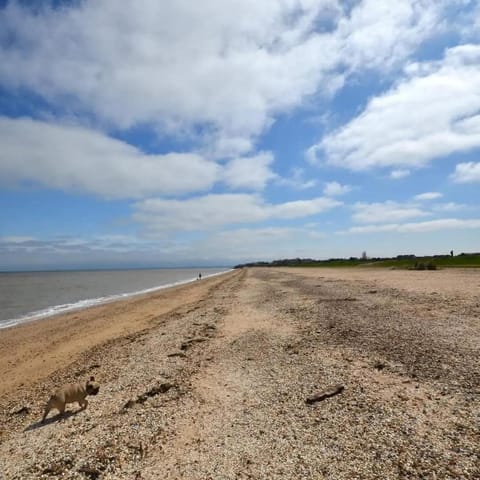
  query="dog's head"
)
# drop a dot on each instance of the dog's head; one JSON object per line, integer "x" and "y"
{"x": 92, "y": 386}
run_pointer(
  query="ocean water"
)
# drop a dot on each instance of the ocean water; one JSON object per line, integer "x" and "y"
{"x": 26, "y": 296}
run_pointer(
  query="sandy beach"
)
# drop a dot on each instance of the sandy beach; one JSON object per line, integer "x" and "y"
{"x": 230, "y": 378}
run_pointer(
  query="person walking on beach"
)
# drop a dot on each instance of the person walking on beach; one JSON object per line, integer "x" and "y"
{"x": 199, "y": 276}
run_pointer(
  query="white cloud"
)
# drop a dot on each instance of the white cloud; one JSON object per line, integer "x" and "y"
{"x": 302, "y": 208}
{"x": 333, "y": 189}
{"x": 210, "y": 211}
{"x": 431, "y": 113}
{"x": 380, "y": 34}
{"x": 428, "y": 196}
{"x": 231, "y": 246}
{"x": 297, "y": 180}
{"x": 14, "y": 240}
{"x": 248, "y": 244}
{"x": 69, "y": 245}
{"x": 84, "y": 252}
{"x": 470, "y": 24}
{"x": 468, "y": 172}
{"x": 76, "y": 158}
{"x": 226, "y": 67}
{"x": 418, "y": 227}
{"x": 383, "y": 212}
{"x": 251, "y": 173}
{"x": 397, "y": 174}
{"x": 448, "y": 207}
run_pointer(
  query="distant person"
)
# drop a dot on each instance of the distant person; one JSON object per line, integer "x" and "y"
{"x": 199, "y": 276}
{"x": 451, "y": 253}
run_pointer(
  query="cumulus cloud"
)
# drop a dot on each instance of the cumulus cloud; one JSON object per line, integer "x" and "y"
{"x": 76, "y": 158}
{"x": 380, "y": 34}
{"x": 468, "y": 172}
{"x": 297, "y": 180}
{"x": 333, "y": 189}
{"x": 385, "y": 212}
{"x": 82, "y": 252}
{"x": 418, "y": 227}
{"x": 67, "y": 245}
{"x": 215, "y": 210}
{"x": 448, "y": 207}
{"x": 249, "y": 244}
{"x": 14, "y": 240}
{"x": 431, "y": 113}
{"x": 187, "y": 66}
{"x": 401, "y": 173}
{"x": 428, "y": 196}
{"x": 251, "y": 173}
{"x": 228, "y": 246}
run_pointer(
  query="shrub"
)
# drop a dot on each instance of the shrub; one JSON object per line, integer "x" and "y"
{"x": 419, "y": 266}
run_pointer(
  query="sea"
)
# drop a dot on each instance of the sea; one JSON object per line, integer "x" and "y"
{"x": 27, "y": 296}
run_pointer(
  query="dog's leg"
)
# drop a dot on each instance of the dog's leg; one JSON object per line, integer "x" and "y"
{"x": 61, "y": 409}
{"x": 47, "y": 410}
{"x": 83, "y": 403}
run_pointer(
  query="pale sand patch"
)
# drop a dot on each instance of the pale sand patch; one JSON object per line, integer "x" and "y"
{"x": 221, "y": 387}
{"x": 219, "y": 383}
{"x": 245, "y": 316}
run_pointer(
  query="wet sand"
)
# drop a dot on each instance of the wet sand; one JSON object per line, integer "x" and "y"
{"x": 211, "y": 380}
{"x": 34, "y": 350}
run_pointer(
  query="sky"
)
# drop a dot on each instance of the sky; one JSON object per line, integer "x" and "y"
{"x": 148, "y": 133}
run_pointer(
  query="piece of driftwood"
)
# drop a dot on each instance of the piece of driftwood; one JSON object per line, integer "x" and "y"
{"x": 188, "y": 343}
{"x": 318, "y": 397}
{"x": 177, "y": 354}
{"x": 162, "y": 388}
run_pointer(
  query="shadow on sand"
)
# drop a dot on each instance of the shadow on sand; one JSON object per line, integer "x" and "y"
{"x": 50, "y": 420}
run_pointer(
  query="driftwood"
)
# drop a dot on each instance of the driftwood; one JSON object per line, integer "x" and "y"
{"x": 162, "y": 388}
{"x": 177, "y": 354}
{"x": 318, "y": 397}
{"x": 188, "y": 343}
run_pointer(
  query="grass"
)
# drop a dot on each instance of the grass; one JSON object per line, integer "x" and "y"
{"x": 441, "y": 261}
{"x": 464, "y": 260}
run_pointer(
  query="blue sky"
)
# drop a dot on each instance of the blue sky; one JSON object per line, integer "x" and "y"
{"x": 159, "y": 133}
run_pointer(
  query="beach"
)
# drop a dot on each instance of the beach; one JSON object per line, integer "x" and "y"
{"x": 238, "y": 376}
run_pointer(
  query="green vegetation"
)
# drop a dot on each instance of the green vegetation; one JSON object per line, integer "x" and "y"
{"x": 410, "y": 262}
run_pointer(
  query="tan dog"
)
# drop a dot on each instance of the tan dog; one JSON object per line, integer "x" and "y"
{"x": 73, "y": 392}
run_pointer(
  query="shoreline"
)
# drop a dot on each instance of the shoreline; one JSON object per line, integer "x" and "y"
{"x": 61, "y": 309}
{"x": 33, "y": 350}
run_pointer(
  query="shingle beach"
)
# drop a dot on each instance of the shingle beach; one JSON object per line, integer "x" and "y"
{"x": 259, "y": 373}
